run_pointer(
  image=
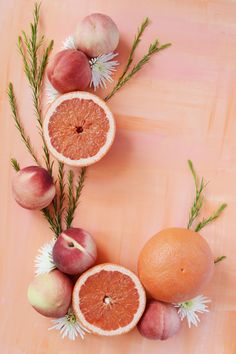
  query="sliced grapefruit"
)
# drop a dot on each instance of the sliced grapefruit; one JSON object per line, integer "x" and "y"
{"x": 108, "y": 300}
{"x": 79, "y": 128}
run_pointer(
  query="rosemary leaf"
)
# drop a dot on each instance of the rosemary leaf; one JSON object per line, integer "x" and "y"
{"x": 15, "y": 164}
{"x": 70, "y": 198}
{"x": 219, "y": 259}
{"x": 211, "y": 218}
{"x": 61, "y": 186}
{"x": 59, "y": 207}
{"x": 19, "y": 126}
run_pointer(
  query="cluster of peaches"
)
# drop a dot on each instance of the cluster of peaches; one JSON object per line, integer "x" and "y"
{"x": 70, "y": 69}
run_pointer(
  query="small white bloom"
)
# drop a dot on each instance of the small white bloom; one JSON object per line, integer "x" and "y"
{"x": 68, "y": 43}
{"x": 51, "y": 93}
{"x": 43, "y": 261}
{"x": 102, "y": 69}
{"x": 190, "y": 308}
{"x": 69, "y": 326}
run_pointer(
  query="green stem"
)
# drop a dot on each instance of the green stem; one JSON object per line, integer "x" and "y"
{"x": 219, "y": 259}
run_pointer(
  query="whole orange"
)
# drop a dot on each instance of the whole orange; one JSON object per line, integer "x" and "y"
{"x": 175, "y": 265}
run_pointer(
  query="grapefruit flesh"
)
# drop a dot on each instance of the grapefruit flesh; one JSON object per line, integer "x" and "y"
{"x": 175, "y": 265}
{"x": 79, "y": 128}
{"x": 108, "y": 300}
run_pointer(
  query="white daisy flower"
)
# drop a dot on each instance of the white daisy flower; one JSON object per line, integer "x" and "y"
{"x": 51, "y": 92}
{"x": 102, "y": 69}
{"x": 190, "y": 308}
{"x": 43, "y": 261}
{"x": 68, "y": 43}
{"x": 69, "y": 326}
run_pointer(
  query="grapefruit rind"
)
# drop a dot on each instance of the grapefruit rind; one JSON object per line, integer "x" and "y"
{"x": 110, "y": 135}
{"x": 76, "y": 302}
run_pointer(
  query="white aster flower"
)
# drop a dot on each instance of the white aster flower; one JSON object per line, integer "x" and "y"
{"x": 69, "y": 326}
{"x": 51, "y": 92}
{"x": 102, "y": 69}
{"x": 190, "y": 308}
{"x": 43, "y": 261}
{"x": 68, "y": 43}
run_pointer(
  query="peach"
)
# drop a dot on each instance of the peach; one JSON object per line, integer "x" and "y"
{"x": 33, "y": 188}
{"x": 69, "y": 71}
{"x": 159, "y": 321}
{"x": 74, "y": 251}
{"x": 50, "y": 294}
{"x": 96, "y": 34}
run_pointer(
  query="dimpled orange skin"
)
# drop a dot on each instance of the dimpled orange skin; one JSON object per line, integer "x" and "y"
{"x": 175, "y": 265}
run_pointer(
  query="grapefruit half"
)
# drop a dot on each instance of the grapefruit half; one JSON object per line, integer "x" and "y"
{"x": 79, "y": 128}
{"x": 108, "y": 300}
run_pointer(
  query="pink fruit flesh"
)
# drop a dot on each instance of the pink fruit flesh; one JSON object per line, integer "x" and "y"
{"x": 97, "y": 34}
{"x": 78, "y": 128}
{"x": 69, "y": 71}
{"x": 50, "y": 294}
{"x": 33, "y": 188}
{"x": 159, "y": 321}
{"x": 74, "y": 251}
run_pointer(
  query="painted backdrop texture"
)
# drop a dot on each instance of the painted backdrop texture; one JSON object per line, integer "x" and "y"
{"x": 182, "y": 105}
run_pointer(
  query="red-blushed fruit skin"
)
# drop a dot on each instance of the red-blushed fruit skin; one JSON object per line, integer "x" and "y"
{"x": 50, "y": 294}
{"x": 33, "y": 188}
{"x": 74, "y": 251}
{"x": 97, "y": 34}
{"x": 69, "y": 71}
{"x": 159, "y": 321}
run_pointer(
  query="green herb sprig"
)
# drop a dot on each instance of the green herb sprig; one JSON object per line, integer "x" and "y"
{"x": 18, "y": 124}
{"x": 153, "y": 49}
{"x": 197, "y": 205}
{"x": 34, "y": 70}
{"x": 73, "y": 197}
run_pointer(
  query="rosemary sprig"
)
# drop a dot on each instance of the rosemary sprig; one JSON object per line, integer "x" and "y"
{"x": 198, "y": 200}
{"x": 15, "y": 164}
{"x": 73, "y": 200}
{"x": 69, "y": 213}
{"x": 219, "y": 259}
{"x": 79, "y": 187}
{"x": 211, "y": 218}
{"x": 28, "y": 48}
{"x": 136, "y": 42}
{"x": 153, "y": 49}
{"x": 46, "y": 213}
{"x": 19, "y": 126}
{"x": 61, "y": 188}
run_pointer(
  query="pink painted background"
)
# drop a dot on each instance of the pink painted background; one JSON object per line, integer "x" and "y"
{"x": 182, "y": 105}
